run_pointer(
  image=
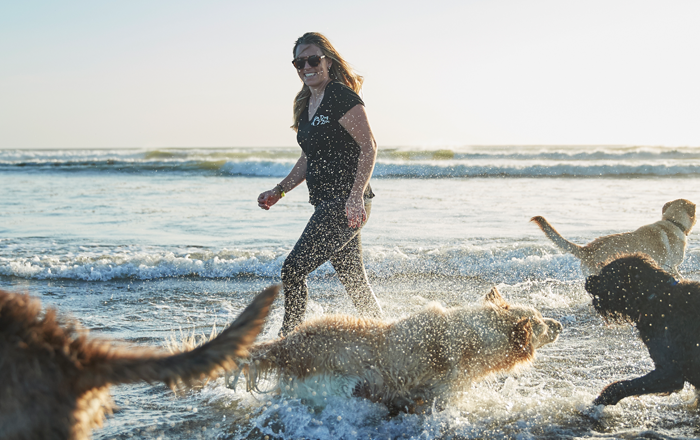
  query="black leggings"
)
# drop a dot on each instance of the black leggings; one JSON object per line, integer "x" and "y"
{"x": 327, "y": 237}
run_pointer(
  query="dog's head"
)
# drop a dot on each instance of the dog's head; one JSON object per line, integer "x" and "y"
{"x": 680, "y": 211}
{"x": 628, "y": 287}
{"x": 544, "y": 330}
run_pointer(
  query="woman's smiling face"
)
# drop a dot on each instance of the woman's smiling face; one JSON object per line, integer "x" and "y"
{"x": 313, "y": 76}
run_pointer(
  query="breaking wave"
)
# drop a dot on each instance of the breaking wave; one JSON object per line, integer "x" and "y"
{"x": 465, "y": 162}
{"x": 498, "y": 263}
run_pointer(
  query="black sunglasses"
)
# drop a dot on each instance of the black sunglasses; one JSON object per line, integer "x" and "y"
{"x": 313, "y": 60}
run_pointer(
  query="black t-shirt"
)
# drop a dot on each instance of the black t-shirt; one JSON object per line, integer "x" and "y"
{"x": 331, "y": 152}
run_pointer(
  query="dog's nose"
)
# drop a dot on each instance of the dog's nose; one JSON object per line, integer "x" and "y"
{"x": 555, "y": 326}
{"x": 591, "y": 282}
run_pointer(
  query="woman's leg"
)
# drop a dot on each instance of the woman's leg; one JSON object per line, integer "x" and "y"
{"x": 326, "y": 233}
{"x": 348, "y": 264}
{"x": 350, "y": 268}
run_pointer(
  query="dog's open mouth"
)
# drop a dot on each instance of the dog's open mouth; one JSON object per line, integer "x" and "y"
{"x": 551, "y": 334}
{"x": 554, "y": 331}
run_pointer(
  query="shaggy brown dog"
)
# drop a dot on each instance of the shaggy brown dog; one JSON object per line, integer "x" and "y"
{"x": 664, "y": 241}
{"x": 54, "y": 380}
{"x": 667, "y": 314}
{"x": 416, "y": 360}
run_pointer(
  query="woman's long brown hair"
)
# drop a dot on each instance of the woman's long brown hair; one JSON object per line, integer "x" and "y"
{"x": 340, "y": 70}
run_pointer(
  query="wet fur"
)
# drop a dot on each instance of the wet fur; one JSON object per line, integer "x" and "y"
{"x": 55, "y": 379}
{"x": 666, "y": 311}
{"x": 409, "y": 362}
{"x": 664, "y": 241}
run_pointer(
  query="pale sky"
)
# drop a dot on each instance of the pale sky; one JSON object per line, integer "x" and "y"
{"x": 170, "y": 73}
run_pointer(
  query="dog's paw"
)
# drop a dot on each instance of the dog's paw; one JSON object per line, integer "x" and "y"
{"x": 587, "y": 409}
{"x": 608, "y": 396}
{"x": 593, "y": 412}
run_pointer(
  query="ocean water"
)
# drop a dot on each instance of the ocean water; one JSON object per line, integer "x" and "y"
{"x": 146, "y": 246}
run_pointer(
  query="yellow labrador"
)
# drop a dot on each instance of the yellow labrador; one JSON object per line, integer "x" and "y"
{"x": 664, "y": 241}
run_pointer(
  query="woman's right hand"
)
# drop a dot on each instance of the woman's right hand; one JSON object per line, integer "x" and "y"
{"x": 268, "y": 198}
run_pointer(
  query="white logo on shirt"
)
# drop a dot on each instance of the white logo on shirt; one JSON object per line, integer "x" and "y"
{"x": 320, "y": 120}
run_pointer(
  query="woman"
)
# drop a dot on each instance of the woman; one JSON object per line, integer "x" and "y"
{"x": 337, "y": 159}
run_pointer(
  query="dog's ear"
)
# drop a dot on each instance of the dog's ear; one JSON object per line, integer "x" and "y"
{"x": 494, "y": 297}
{"x": 663, "y": 210}
{"x": 521, "y": 337}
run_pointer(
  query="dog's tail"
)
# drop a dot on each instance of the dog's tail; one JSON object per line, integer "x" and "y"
{"x": 110, "y": 366}
{"x": 562, "y": 243}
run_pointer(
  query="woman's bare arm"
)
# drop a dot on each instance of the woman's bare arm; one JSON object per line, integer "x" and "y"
{"x": 293, "y": 179}
{"x": 356, "y": 123}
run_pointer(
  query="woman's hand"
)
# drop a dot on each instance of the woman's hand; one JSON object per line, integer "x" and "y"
{"x": 268, "y": 198}
{"x": 355, "y": 211}
{"x": 294, "y": 178}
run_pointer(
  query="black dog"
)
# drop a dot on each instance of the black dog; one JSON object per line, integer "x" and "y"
{"x": 666, "y": 312}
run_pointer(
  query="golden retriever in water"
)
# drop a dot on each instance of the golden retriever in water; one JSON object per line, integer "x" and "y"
{"x": 664, "y": 241}
{"x": 54, "y": 379}
{"x": 413, "y": 361}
